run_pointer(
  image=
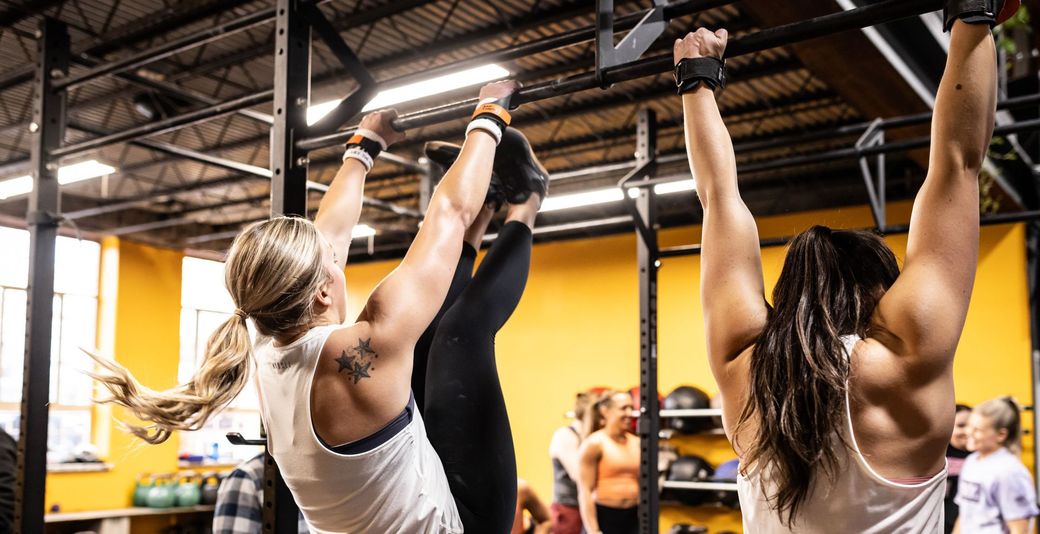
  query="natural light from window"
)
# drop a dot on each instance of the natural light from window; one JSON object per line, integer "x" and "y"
{"x": 74, "y": 325}
{"x": 205, "y": 305}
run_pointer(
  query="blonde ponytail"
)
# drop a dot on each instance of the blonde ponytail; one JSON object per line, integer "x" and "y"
{"x": 273, "y": 271}
{"x": 223, "y": 374}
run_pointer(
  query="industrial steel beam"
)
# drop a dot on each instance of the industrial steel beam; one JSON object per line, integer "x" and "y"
{"x": 146, "y": 28}
{"x": 17, "y": 13}
{"x": 170, "y": 48}
{"x": 89, "y": 58}
{"x": 568, "y": 38}
{"x": 43, "y": 216}
{"x": 164, "y": 125}
{"x": 885, "y": 11}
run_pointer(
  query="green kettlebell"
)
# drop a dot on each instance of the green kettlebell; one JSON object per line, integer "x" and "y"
{"x": 188, "y": 492}
{"x": 144, "y": 483}
{"x": 161, "y": 495}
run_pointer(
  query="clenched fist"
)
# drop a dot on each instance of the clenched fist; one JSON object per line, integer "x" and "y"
{"x": 498, "y": 90}
{"x": 701, "y": 43}
{"x": 380, "y": 123}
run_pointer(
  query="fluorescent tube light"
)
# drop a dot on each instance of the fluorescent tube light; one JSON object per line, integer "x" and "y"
{"x": 362, "y": 230}
{"x": 413, "y": 91}
{"x": 586, "y": 198}
{"x": 83, "y": 170}
{"x": 68, "y": 174}
{"x": 317, "y": 111}
{"x": 16, "y": 186}
{"x": 434, "y": 86}
{"x": 675, "y": 187}
{"x": 613, "y": 194}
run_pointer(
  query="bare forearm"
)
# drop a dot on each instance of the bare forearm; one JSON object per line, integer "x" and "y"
{"x": 340, "y": 208}
{"x": 708, "y": 146}
{"x": 460, "y": 190}
{"x": 965, "y": 104}
{"x": 588, "y": 512}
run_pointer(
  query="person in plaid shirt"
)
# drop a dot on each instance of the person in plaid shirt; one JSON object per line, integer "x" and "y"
{"x": 240, "y": 500}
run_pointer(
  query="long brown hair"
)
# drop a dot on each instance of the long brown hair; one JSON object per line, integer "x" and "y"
{"x": 273, "y": 270}
{"x": 829, "y": 286}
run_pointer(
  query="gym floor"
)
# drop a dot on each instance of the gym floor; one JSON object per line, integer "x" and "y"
{"x": 169, "y": 155}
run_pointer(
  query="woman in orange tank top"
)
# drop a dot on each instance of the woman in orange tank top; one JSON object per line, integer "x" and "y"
{"x": 608, "y": 482}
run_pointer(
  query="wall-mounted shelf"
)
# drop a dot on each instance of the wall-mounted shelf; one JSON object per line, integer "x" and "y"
{"x": 714, "y": 486}
{"x": 669, "y": 433}
{"x": 703, "y": 412}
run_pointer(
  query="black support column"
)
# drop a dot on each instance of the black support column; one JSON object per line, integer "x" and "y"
{"x": 292, "y": 89}
{"x": 648, "y": 257}
{"x": 1033, "y": 281}
{"x": 48, "y": 131}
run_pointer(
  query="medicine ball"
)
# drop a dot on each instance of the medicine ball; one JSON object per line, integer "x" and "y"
{"x": 688, "y": 398}
{"x": 691, "y": 469}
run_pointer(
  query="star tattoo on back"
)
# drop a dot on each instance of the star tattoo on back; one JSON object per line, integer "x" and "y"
{"x": 359, "y": 365}
{"x": 364, "y": 347}
{"x": 345, "y": 362}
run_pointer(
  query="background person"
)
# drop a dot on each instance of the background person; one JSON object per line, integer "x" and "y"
{"x": 240, "y": 500}
{"x": 995, "y": 492}
{"x": 956, "y": 452}
{"x": 608, "y": 483}
{"x": 563, "y": 451}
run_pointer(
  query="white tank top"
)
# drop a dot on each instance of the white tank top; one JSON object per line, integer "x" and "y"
{"x": 859, "y": 500}
{"x": 399, "y": 486}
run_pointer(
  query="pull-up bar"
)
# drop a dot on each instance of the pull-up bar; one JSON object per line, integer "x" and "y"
{"x": 243, "y": 103}
{"x": 794, "y": 32}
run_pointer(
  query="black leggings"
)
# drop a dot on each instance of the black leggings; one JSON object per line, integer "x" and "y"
{"x": 455, "y": 376}
{"x": 617, "y": 520}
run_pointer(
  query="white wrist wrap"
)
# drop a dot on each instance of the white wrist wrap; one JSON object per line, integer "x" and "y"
{"x": 488, "y": 125}
{"x": 359, "y": 154}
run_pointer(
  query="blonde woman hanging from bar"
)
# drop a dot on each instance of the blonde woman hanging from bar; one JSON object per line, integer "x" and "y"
{"x": 358, "y": 450}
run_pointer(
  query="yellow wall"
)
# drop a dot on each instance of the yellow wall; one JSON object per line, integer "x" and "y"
{"x": 139, "y": 322}
{"x": 577, "y": 327}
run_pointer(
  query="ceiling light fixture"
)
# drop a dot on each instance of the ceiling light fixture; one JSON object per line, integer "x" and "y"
{"x": 67, "y": 174}
{"x": 421, "y": 89}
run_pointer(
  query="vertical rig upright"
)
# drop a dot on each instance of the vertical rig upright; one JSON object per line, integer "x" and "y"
{"x": 42, "y": 217}
{"x": 647, "y": 256}
{"x": 292, "y": 89}
{"x": 1033, "y": 284}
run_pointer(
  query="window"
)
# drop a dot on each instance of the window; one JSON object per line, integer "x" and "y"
{"x": 74, "y": 325}
{"x": 205, "y": 305}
